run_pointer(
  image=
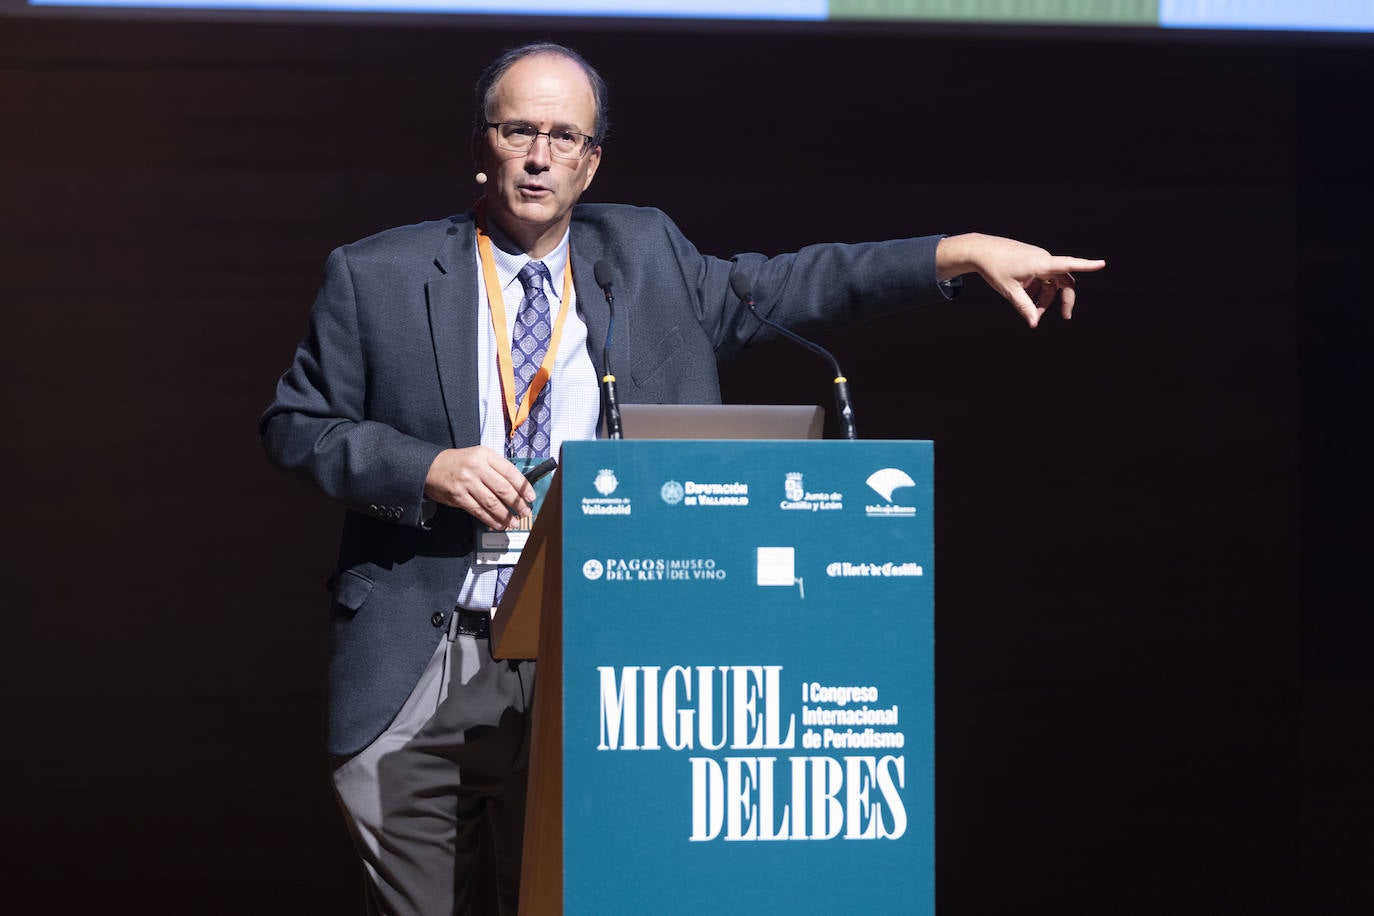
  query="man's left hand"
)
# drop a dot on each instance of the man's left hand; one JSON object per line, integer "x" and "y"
{"x": 1026, "y": 276}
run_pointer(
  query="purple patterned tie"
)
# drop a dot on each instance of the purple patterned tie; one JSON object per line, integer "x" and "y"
{"x": 529, "y": 343}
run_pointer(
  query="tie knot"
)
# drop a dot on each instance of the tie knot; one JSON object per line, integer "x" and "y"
{"x": 532, "y": 276}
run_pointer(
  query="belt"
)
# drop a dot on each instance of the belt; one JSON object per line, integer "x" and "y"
{"x": 471, "y": 623}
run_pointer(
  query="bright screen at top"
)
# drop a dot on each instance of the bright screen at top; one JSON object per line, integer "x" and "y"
{"x": 1292, "y": 15}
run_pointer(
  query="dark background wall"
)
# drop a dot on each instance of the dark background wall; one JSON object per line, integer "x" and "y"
{"x": 1154, "y": 639}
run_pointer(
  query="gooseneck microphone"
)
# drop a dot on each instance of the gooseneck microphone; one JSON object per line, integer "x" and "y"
{"x": 609, "y": 404}
{"x": 739, "y": 283}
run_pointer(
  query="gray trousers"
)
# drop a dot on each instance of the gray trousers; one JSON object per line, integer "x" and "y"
{"x": 436, "y": 804}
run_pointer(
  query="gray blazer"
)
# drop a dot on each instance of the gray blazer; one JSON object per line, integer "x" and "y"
{"x": 384, "y": 381}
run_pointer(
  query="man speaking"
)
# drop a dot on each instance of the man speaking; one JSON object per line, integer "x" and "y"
{"x": 443, "y": 358}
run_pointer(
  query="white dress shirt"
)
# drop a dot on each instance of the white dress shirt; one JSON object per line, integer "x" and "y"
{"x": 575, "y": 398}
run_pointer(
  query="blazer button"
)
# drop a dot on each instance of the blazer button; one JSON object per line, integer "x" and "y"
{"x": 437, "y": 618}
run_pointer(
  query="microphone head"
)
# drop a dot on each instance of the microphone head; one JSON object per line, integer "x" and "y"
{"x": 740, "y": 284}
{"x": 601, "y": 270}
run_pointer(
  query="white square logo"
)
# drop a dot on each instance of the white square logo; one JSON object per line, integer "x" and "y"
{"x": 777, "y": 566}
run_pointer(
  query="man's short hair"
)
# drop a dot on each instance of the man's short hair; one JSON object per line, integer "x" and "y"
{"x": 486, "y": 84}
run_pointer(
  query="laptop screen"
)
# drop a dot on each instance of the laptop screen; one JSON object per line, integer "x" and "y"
{"x": 721, "y": 421}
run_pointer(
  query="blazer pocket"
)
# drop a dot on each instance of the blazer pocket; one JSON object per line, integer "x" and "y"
{"x": 351, "y": 589}
{"x": 652, "y": 360}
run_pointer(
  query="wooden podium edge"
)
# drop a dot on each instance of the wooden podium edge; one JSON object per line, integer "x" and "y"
{"x": 515, "y": 625}
{"x": 529, "y": 624}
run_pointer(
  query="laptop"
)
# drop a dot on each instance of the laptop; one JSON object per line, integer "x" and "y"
{"x": 721, "y": 421}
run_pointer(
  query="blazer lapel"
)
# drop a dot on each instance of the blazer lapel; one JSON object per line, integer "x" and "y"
{"x": 586, "y": 251}
{"x": 452, "y": 302}
{"x": 591, "y": 302}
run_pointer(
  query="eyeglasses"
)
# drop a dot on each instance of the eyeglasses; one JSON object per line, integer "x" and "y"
{"x": 519, "y": 137}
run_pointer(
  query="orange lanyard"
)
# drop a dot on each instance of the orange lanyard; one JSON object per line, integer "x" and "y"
{"x": 496, "y": 304}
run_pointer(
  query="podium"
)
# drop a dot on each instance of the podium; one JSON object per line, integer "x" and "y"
{"x": 734, "y": 703}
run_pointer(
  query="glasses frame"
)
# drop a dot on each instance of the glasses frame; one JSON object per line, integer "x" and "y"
{"x": 587, "y": 141}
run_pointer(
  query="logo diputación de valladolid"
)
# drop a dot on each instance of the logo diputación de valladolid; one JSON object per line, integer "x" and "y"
{"x": 886, "y": 482}
{"x": 692, "y": 493}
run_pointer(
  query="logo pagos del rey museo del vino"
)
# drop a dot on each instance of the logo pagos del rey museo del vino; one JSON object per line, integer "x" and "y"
{"x": 654, "y": 569}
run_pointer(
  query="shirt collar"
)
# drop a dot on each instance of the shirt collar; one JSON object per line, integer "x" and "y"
{"x": 510, "y": 260}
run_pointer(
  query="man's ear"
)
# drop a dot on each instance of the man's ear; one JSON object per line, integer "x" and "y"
{"x": 593, "y": 163}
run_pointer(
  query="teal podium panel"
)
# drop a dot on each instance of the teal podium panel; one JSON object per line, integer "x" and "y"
{"x": 748, "y": 677}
